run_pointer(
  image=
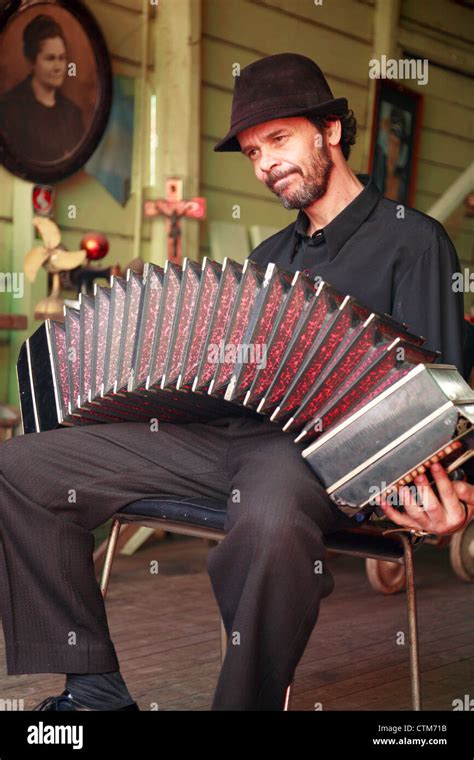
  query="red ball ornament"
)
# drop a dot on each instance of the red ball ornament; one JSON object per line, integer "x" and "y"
{"x": 96, "y": 245}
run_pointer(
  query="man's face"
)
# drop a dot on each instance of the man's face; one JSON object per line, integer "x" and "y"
{"x": 291, "y": 157}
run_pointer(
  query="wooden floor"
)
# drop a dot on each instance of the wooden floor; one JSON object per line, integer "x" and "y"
{"x": 166, "y": 631}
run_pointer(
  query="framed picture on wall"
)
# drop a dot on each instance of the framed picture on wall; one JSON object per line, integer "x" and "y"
{"x": 55, "y": 88}
{"x": 395, "y": 139}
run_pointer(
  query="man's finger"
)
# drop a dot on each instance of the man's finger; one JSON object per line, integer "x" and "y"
{"x": 448, "y": 496}
{"x": 465, "y": 492}
{"x": 405, "y": 521}
{"x": 415, "y": 505}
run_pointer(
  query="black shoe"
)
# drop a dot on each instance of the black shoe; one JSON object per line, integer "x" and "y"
{"x": 65, "y": 702}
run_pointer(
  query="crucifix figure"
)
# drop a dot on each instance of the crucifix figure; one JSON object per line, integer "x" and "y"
{"x": 174, "y": 208}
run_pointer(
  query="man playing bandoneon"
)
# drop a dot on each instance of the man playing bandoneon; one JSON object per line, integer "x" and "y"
{"x": 394, "y": 260}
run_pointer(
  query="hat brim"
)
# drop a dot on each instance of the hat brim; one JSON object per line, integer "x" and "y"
{"x": 229, "y": 143}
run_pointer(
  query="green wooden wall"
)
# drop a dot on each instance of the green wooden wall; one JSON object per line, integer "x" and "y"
{"x": 339, "y": 35}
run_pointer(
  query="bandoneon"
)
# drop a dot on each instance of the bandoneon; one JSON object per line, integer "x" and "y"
{"x": 366, "y": 402}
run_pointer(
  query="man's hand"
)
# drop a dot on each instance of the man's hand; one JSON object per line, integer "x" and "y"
{"x": 426, "y": 512}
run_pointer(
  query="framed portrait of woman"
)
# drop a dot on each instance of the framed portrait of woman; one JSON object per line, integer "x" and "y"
{"x": 395, "y": 140}
{"x": 55, "y": 88}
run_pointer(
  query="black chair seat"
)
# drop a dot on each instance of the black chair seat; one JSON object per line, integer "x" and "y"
{"x": 364, "y": 544}
{"x": 204, "y": 512}
{"x": 200, "y": 511}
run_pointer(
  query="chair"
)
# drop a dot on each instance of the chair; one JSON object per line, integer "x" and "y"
{"x": 203, "y": 517}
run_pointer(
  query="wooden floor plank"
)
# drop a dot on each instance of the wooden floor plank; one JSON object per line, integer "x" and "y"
{"x": 165, "y": 628}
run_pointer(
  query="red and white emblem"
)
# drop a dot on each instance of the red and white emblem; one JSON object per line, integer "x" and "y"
{"x": 43, "y": 200}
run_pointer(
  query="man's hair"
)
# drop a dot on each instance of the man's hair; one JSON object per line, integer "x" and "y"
{"x": 42, "y": 28}
{"x": 348, "y": 128}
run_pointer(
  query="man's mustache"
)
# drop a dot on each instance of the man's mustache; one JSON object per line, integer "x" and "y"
{"x": 274, "y": 177}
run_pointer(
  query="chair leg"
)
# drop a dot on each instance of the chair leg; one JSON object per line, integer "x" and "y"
{"x": 412, "y": 623}
{"x": 223, "y": 640}
{"x": 109, "y": 556}
{"x": 286, "y": 706}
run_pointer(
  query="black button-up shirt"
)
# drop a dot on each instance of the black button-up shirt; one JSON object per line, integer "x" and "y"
{"x": 393, "y": 259}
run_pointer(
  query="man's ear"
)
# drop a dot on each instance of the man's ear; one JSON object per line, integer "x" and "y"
{"x": 334, "y": 132}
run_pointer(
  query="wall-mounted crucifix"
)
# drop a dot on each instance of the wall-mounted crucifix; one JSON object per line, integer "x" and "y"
{"x": 174, "y": 208}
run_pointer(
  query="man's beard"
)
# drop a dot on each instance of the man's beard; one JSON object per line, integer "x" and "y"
{"x": 313, "y": 187}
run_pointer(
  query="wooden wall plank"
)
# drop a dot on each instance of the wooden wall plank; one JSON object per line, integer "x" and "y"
{"x": 450, "y": 87}
{"x": 434, "y": 178}
{"x": 133, "y": 6}
{"x": 252, "y": 210}
{"x": 436, "y": 46}
{"x": 259, "y": 233}
{"x": 453, "y": 19}
{"x": 229, "y": 239}
{"x": 446, "y": 149}
{"x": 343, "y": 16}
{"x": 456, "y": 120}
{"x": 287, "y": 35}
{"x": 95, "y": 207}
{"x": 122, "y": 30}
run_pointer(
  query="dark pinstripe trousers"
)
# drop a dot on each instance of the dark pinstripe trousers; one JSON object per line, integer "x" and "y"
{"x": 266, "y": 573}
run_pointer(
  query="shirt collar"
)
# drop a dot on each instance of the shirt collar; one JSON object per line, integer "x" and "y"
{"x": 345, "y": 224}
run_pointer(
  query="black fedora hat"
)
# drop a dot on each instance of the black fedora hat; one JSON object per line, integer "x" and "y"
{"x": 275, "y": 87}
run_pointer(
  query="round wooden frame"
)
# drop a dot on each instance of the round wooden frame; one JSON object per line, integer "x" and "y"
{"x": 54, "y": 171}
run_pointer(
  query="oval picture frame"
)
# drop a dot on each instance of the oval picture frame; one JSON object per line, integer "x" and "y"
{"x": 81, "y": 100}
